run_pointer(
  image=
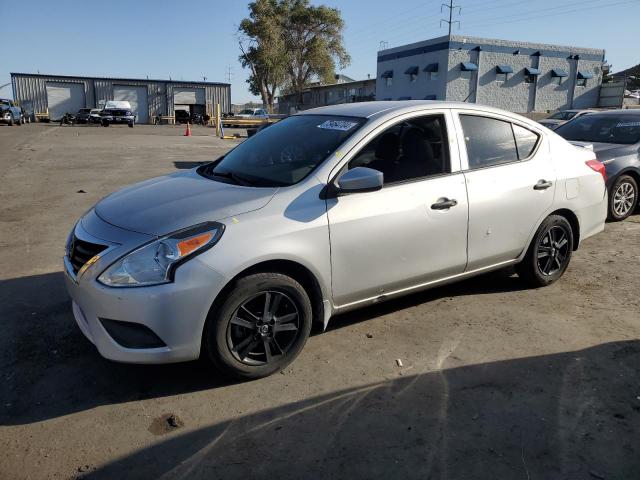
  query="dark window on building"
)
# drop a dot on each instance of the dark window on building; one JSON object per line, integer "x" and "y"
{"x": 582, "y": 82}
{"x": 489, "y": 141}
{"x": 411, "y": 149}
{"x": 526, "y": 141}
{"x": 528, "y": 78}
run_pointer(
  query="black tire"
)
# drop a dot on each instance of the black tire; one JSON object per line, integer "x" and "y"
{"x": 105, "y": 123}
{"x": 10, "y": 121}
{"x": 623, "y": 198}
{"x": 534, "y": 269}
{"x": 131, "y": 125}
{"x": 224, "y": 343}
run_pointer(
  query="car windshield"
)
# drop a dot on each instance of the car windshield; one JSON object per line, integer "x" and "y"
{"x": 4, "y": 102}
{"x": 286, "y": 152}
{"x": 246, "y": 112}
{"x": 606, "y": 128}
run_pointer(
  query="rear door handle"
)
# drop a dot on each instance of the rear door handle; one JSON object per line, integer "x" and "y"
{"x": 444, "y": 204}
{"x": 542, "y": 185}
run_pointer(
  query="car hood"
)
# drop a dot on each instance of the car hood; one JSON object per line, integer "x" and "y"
{"x": 165, "y": 204}
{"x": 604, "y": 151}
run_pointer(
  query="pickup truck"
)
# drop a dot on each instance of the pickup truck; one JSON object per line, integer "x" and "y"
{"x": 9, "y": 113}
{"x": 252, "y": 113}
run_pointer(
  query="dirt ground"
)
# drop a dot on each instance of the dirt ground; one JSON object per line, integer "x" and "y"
{"x": 496, "y": 382}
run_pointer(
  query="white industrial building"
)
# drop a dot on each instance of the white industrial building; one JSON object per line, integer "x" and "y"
{"x": 515, "y": 76}
{"x": 59, "y": 94}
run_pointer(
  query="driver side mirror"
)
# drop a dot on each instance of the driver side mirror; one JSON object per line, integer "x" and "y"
{"x": 360, "y": 179}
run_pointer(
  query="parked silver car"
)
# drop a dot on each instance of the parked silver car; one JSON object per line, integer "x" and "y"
{"x": 326, "y": 211}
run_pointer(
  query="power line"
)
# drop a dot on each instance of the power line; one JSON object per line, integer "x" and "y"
{"x": 532, "y": 13}
{"x": 451, "y": 8}
{"x": 374, "y": 28}
{"x": 495, "y": 7}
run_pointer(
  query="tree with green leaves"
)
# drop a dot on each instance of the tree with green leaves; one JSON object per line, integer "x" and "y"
{"x": 289, "y": 43}
{"x": 261, "y": 46}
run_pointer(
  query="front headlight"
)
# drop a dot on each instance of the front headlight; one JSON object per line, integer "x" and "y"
{"x": 155, "y": 262}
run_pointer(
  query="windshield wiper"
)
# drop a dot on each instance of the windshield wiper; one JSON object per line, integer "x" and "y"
{"x": 238, "y": 179}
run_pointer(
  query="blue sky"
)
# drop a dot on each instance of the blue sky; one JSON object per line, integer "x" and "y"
{"x": 195, "y": 39}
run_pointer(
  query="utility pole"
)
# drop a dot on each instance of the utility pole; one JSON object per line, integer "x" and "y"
{"x": 451, "y": 8}
{"x": 228, "y": 73}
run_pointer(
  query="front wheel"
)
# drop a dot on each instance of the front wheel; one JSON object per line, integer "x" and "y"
{"x": 10, "y": 121}
{"x": 623, "y": 198}
{"x": 549, "y": 254}
{"x": 260, "y": 328}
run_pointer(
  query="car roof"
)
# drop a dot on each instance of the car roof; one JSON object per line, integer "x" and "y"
{"x": 377, "y": 109}
{"x": 619, "y": 111}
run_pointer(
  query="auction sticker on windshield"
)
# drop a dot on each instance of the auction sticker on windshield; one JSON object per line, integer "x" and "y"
{"x": 341, "y": 125}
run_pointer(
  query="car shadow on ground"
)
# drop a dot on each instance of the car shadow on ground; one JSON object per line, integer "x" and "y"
{"x": 49, "y": 369}
{"x": 499, "y": 281}
{"x": 566, "y": 415}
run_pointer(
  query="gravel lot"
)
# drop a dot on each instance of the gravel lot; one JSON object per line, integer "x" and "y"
{"x": 497, "y": 381}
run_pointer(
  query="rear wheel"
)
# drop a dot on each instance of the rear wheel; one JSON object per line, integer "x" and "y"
{"x": 549, "y": 254}
{"x": 260, "y": 328}
{"x": 623, "y": 198}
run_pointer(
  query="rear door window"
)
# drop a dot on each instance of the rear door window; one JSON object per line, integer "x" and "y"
{"x": 489, "y": 141}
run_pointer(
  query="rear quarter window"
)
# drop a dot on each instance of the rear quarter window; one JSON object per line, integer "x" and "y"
{"x": 526, "y": 141}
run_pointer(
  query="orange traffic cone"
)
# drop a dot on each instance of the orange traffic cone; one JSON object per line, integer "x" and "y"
{"x": 187, "y": 132}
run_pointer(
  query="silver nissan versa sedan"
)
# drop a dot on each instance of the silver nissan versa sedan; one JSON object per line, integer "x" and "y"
{"x": 328, "y": 210}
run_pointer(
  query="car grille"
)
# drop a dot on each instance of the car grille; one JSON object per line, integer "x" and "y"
{"x": 79, "y": 252}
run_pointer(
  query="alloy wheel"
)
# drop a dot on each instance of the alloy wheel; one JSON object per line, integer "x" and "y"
{"x": 623, "y": 199}
{"x": 553, "y": 250}
{"x": 263, "y": 328}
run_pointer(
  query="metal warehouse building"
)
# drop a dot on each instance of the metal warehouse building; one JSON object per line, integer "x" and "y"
{"x": 515, "y": 76}
{"x": 60, "y": 94}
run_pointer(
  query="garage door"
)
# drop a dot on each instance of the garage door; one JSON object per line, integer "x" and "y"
{"x": 188, "y": 96}
{"x": 137, "y": 97}
{"x": 64, "y": 98}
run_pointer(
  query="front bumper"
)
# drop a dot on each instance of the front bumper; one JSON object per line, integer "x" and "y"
{"x": 175, "y": 312}
{"x": 120, "y": 119}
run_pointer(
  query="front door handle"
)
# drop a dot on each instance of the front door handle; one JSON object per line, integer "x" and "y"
{"x": 542, "y": 185}
{"x": 444, "y": 204}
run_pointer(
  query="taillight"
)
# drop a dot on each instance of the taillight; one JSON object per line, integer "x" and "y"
{"x": 596, "y": 166}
